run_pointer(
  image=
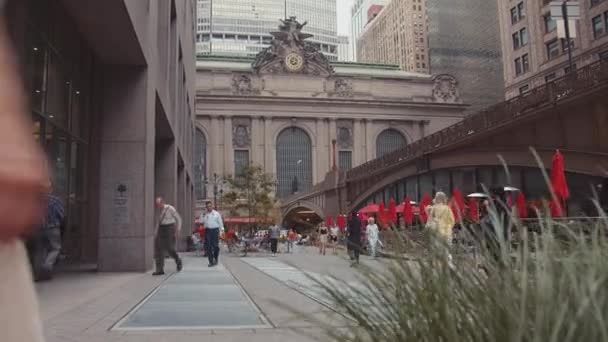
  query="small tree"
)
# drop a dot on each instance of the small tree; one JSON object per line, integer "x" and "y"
{"x": 251, "y": 194}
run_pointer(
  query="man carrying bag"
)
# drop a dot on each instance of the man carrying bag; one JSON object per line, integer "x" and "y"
{"x": 167, "y": 231}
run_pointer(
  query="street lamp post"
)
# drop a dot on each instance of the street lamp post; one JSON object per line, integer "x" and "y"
{"x": 217, "y": 183}
{"x": 564, "y": 13}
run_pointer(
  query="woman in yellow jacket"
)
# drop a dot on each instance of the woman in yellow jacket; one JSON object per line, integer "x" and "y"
{"x": 441, "y": 219}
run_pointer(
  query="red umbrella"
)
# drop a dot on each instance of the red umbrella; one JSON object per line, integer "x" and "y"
{"x": 520, "y": 203}
{"x": 392, "y": 211}
{"x": 426, "y": 201}
{"x": 558, "y": 177}
{"x": 330, "y": 221}
{"x": 341, "y": 222}
{"x": 458, "y": 204}
{"x": 408, "y": 213}
{"x": 473, "y": 210}
{"x": 369, "y": 209}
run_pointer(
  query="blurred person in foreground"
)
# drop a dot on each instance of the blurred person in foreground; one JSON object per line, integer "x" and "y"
{"x": 23, "y": 179}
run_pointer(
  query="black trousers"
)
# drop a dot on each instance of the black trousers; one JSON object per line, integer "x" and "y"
{"x": 212, "y": 244}
{"x": 273, "y": 245}
{"x": 354, "y": 249}
{"x": 165, "y": 243}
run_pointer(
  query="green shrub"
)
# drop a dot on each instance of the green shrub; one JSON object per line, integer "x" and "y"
{"x": 552, "y": 286}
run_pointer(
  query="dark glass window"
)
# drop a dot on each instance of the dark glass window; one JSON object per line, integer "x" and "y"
{"x": 598, "y": 26}
{"x": 550, "y": 24}
{"x": 524, "y": 89}
{"x": 552, "y": 49}
{"x": 200, "y": 165}
{"x": 388, "y": 141}
{"x": 294, "y": 161}
{"x": 525, "y": 63}
{"x": 241, "y": 161}
{"x": 345, "y": 160}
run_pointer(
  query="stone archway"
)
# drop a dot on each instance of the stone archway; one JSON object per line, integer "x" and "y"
{"x": 302, "y": 218}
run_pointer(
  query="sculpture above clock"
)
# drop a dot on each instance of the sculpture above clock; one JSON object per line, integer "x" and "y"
{"x": 289, "y": 52}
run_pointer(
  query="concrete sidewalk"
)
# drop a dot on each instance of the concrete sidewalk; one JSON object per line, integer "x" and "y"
{"x": 87, "y": 306}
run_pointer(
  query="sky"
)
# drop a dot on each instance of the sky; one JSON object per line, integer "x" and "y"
{"x": 343, "y": 12}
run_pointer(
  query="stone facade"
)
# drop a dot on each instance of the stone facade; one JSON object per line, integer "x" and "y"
{"x": 540, "y": 66}
{"x": 130, "y": 139}
{"x": 349, "y": 103}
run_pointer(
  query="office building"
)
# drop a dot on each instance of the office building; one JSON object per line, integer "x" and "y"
{"x": 359, "y": 19}
{"x": 533, "y": 54}
{"x": 459, "y": 38}
{"x": 344, "y": 51}
{"x": 398, "y": 35}
{"x": 242, "y": 28}
{"x": 111, "y": 93}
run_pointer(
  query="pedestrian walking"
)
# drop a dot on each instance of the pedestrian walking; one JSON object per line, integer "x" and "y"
{"x": 274, "y": 233}
{"x": 441, "y": 221}
{"x": 291, "y": 238}
{"x": 212, "y": 220}
{"x": 167, "y": 230}
{"x": 323, "y": 236}
{"x": 334, "y": 233}
{"x": 354, "y": 238}
{"x": 46, "y": 241}
{"x": 372, "y": 233}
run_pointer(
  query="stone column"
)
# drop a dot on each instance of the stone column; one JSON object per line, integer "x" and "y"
{"x": 268, "y": 146}
{"x": 228, "y": 149}
{"x": 127, "y": 163}
{"x": 369, "y": 144}
{"x": 320, "y": 150}
{"x": 215, "y": 150}
{"x": 331, "y": 136}
{"x": 257, "y": 141}
{"x": 359, "y": 145}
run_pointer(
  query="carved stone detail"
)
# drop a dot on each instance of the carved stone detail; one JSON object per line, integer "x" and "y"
{"x": 446, "y": 89}
{"x": 290, "y": 53}
{"x": 344, "y": 133}
{"x": 243, "y": 85}
{"x": 241, "y": 133}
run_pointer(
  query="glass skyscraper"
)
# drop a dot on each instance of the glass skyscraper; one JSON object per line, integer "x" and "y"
{"x": 242, "y": 27}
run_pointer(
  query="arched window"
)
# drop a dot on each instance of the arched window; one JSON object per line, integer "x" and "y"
{"x": 294, "y": 161}
{"x": 388, "y": 141}
{"x": 200, "y": 164}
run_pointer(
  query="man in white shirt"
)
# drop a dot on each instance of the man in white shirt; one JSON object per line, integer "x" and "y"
{"x": 212, "y": 220}
{"x": 167, "y": 231}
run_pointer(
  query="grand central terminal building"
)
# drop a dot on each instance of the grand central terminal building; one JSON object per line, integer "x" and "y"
{"x": 296, "y": 114}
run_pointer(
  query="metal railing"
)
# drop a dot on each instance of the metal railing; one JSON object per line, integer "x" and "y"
{"x": 572, "y": 84}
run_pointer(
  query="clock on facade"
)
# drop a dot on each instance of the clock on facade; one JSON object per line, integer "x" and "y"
{"x": 294, "y": 62}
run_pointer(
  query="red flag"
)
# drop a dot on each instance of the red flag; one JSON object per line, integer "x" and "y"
{"x": 556, "y": 208}
{"x": 558, "y": 177}
{"x": 392, "y": 211}
{"x": 381, "y": 214}
{"x": 330, "y": 221}
{"x": 426, "y": 201}
{"x": 341, "y": 222}
{"x": 473, "y": 210}
{"x": 458, "y": 204}
{"x": 408, "y": 213}
{"x": 522, "y": 210}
